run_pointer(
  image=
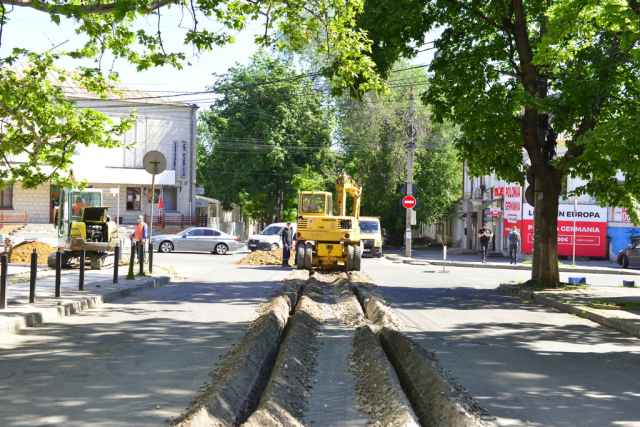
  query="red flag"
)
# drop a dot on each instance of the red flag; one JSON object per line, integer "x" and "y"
{"x": 160, "y": 204}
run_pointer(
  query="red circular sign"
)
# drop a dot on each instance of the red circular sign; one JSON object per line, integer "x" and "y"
{"x": 409, "y": 202}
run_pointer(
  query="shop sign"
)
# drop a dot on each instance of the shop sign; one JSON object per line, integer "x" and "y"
{"x": 590, "y": 230}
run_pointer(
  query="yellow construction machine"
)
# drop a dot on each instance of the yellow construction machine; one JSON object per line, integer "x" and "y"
{"x": 325, "y": 240}
{"x": 83, "y": 222}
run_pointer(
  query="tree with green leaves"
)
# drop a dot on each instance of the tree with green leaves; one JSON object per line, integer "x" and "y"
{"x": 373, "y": 135}
{"x": 518, "y": 76}
{"x": 109, "y": 33}
{"x": 40, "y": 126}
{"x": 269, "y": 134}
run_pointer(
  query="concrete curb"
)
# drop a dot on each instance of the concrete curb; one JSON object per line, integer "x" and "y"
{"x": 511, "y": 267}
{"x": 24, "y": 320}
{"x": 611, "y": 322}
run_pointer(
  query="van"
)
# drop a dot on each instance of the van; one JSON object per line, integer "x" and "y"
{"x": 371, "y": 235}
{"x": 269, "y": 239}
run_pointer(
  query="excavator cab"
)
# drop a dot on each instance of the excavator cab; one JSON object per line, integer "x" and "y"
{"x": 316, "y": 203}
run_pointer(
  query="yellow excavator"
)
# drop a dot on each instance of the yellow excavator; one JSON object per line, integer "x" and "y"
{"x": 82, "y": 222}
{"x": 325, "y": 240}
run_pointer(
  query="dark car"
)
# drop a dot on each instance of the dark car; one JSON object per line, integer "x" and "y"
{"x": 630, "y": 256}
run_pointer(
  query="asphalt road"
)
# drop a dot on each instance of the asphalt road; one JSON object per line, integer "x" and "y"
{"x": 114, "y": 365}
{"x": 542, "y": 368}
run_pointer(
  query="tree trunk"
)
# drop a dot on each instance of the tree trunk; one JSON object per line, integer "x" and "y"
{"x": 548, "y": 275}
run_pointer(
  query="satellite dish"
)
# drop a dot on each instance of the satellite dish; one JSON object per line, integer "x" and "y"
{"x": 154, "y": 162}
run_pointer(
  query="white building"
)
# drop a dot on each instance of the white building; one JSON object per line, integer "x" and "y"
{"x": 161, "y": 124}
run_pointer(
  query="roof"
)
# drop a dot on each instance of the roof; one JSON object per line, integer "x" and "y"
{"x": 74, "y": 90}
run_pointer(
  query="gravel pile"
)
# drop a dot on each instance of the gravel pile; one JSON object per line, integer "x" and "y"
{"x": 265, "y": 258}
{"x": 21, "y": 253}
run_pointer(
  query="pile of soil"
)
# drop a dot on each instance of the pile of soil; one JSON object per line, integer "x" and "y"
{"x": 21, "y": 253}
{"x": 265, "y": 258}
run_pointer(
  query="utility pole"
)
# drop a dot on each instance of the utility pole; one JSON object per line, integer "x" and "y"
{"x": 410, "y": 147}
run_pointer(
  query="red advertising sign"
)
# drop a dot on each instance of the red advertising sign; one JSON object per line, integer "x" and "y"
{"x": 408, "y": 202}
{"x": 512, "y": 207}
{"x": 495, "y": 211}
{"x": 620, "y": 215}
{"x": 590, "y": 230}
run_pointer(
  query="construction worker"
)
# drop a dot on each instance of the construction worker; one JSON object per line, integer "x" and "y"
{"x": 80, "y": 203}
{"x": 140, "y": 234}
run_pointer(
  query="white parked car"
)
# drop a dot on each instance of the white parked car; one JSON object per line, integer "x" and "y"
{"x": 269, "y": 239}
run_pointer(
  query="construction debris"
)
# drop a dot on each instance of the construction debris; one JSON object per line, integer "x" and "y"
{"x": 266, "y": 258}
{"x": 21, "y": 253}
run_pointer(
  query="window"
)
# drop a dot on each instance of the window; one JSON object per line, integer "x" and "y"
{"x": 6, "y": 197}
{"x": 271, "y": 231}
{"x": 369, "y": 227}
{"x": 210, "y": 233}
{"x": 134, "y": 197}
{"x": 194, "y": 232}
{"x": 83, "y": 199}
{"x": 313, "y": 203}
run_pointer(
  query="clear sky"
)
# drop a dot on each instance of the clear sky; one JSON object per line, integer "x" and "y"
{"x": 34, "y": 31}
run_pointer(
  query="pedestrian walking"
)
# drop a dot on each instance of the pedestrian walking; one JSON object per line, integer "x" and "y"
{"x": 287, "y": 241}
{"x": 514, "y": 242}
{"x": 485, "y": 236}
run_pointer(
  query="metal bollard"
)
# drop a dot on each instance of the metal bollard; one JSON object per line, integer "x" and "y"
{"x": 150, "y": 257}
{"x": 3, "y": 281}
{"x": 34, "y": 274}
{"x": 141, "y": 257}
{"x": 83, "y": 260}
{"x": 116, "y": 264}
{"x": 58, "y": 272}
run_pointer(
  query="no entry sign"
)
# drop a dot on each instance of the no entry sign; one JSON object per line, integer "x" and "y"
{"x": 409, "y": 202}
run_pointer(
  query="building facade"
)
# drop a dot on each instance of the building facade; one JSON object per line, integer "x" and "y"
{"x": 161, "y": 125}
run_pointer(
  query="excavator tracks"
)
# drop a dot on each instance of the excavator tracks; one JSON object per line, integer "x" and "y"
{"x": 326, "y": 350}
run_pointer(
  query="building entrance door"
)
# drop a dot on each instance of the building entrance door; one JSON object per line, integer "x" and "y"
{"x": 54, "y": 202}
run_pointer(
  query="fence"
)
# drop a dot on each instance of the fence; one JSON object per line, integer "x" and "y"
{"x": 13, "y": 218}
{"x": 181, "y": 220}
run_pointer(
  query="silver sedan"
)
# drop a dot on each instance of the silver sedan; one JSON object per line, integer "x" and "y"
{"x": 200, "y": 239}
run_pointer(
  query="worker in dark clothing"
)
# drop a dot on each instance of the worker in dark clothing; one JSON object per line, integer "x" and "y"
{"x": 287, "y": 242}
{"x": 485, "y": 236}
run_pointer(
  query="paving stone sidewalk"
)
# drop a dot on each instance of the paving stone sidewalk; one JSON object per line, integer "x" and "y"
{"x": 590, "y": 303}
{"x": 435, "y": 257}
{"x": 98, "y": 289}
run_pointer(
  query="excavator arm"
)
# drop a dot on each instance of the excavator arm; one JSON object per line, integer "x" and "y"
{"x": 346, "y": 185}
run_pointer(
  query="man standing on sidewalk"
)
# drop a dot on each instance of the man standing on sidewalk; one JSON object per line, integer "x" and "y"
{"x": 287, "y": 242}
{"x": 485, "y": 237}
{"x": 514, "y": 241}
{"x": 140, "y": 234}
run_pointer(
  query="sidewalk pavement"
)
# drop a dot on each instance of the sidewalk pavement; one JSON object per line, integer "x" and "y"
{"x": 580, "y": 302}
{"x": 574, "y": 300}
{"x": 434, "y": 257}
{"x": 98, "y": 289}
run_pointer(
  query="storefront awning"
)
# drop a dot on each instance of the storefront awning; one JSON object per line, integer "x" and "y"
{"x": 122, "y": 176}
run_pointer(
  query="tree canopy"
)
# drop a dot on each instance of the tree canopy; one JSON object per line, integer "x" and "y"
{"x": 373, "y": 134}
{"x": 260, "y": 141}
{"x": 519, "y": 76}
{"x": 40, "y": 126}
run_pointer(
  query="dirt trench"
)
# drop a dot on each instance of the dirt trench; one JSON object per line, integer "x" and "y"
{"x": 326, "y": 350}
